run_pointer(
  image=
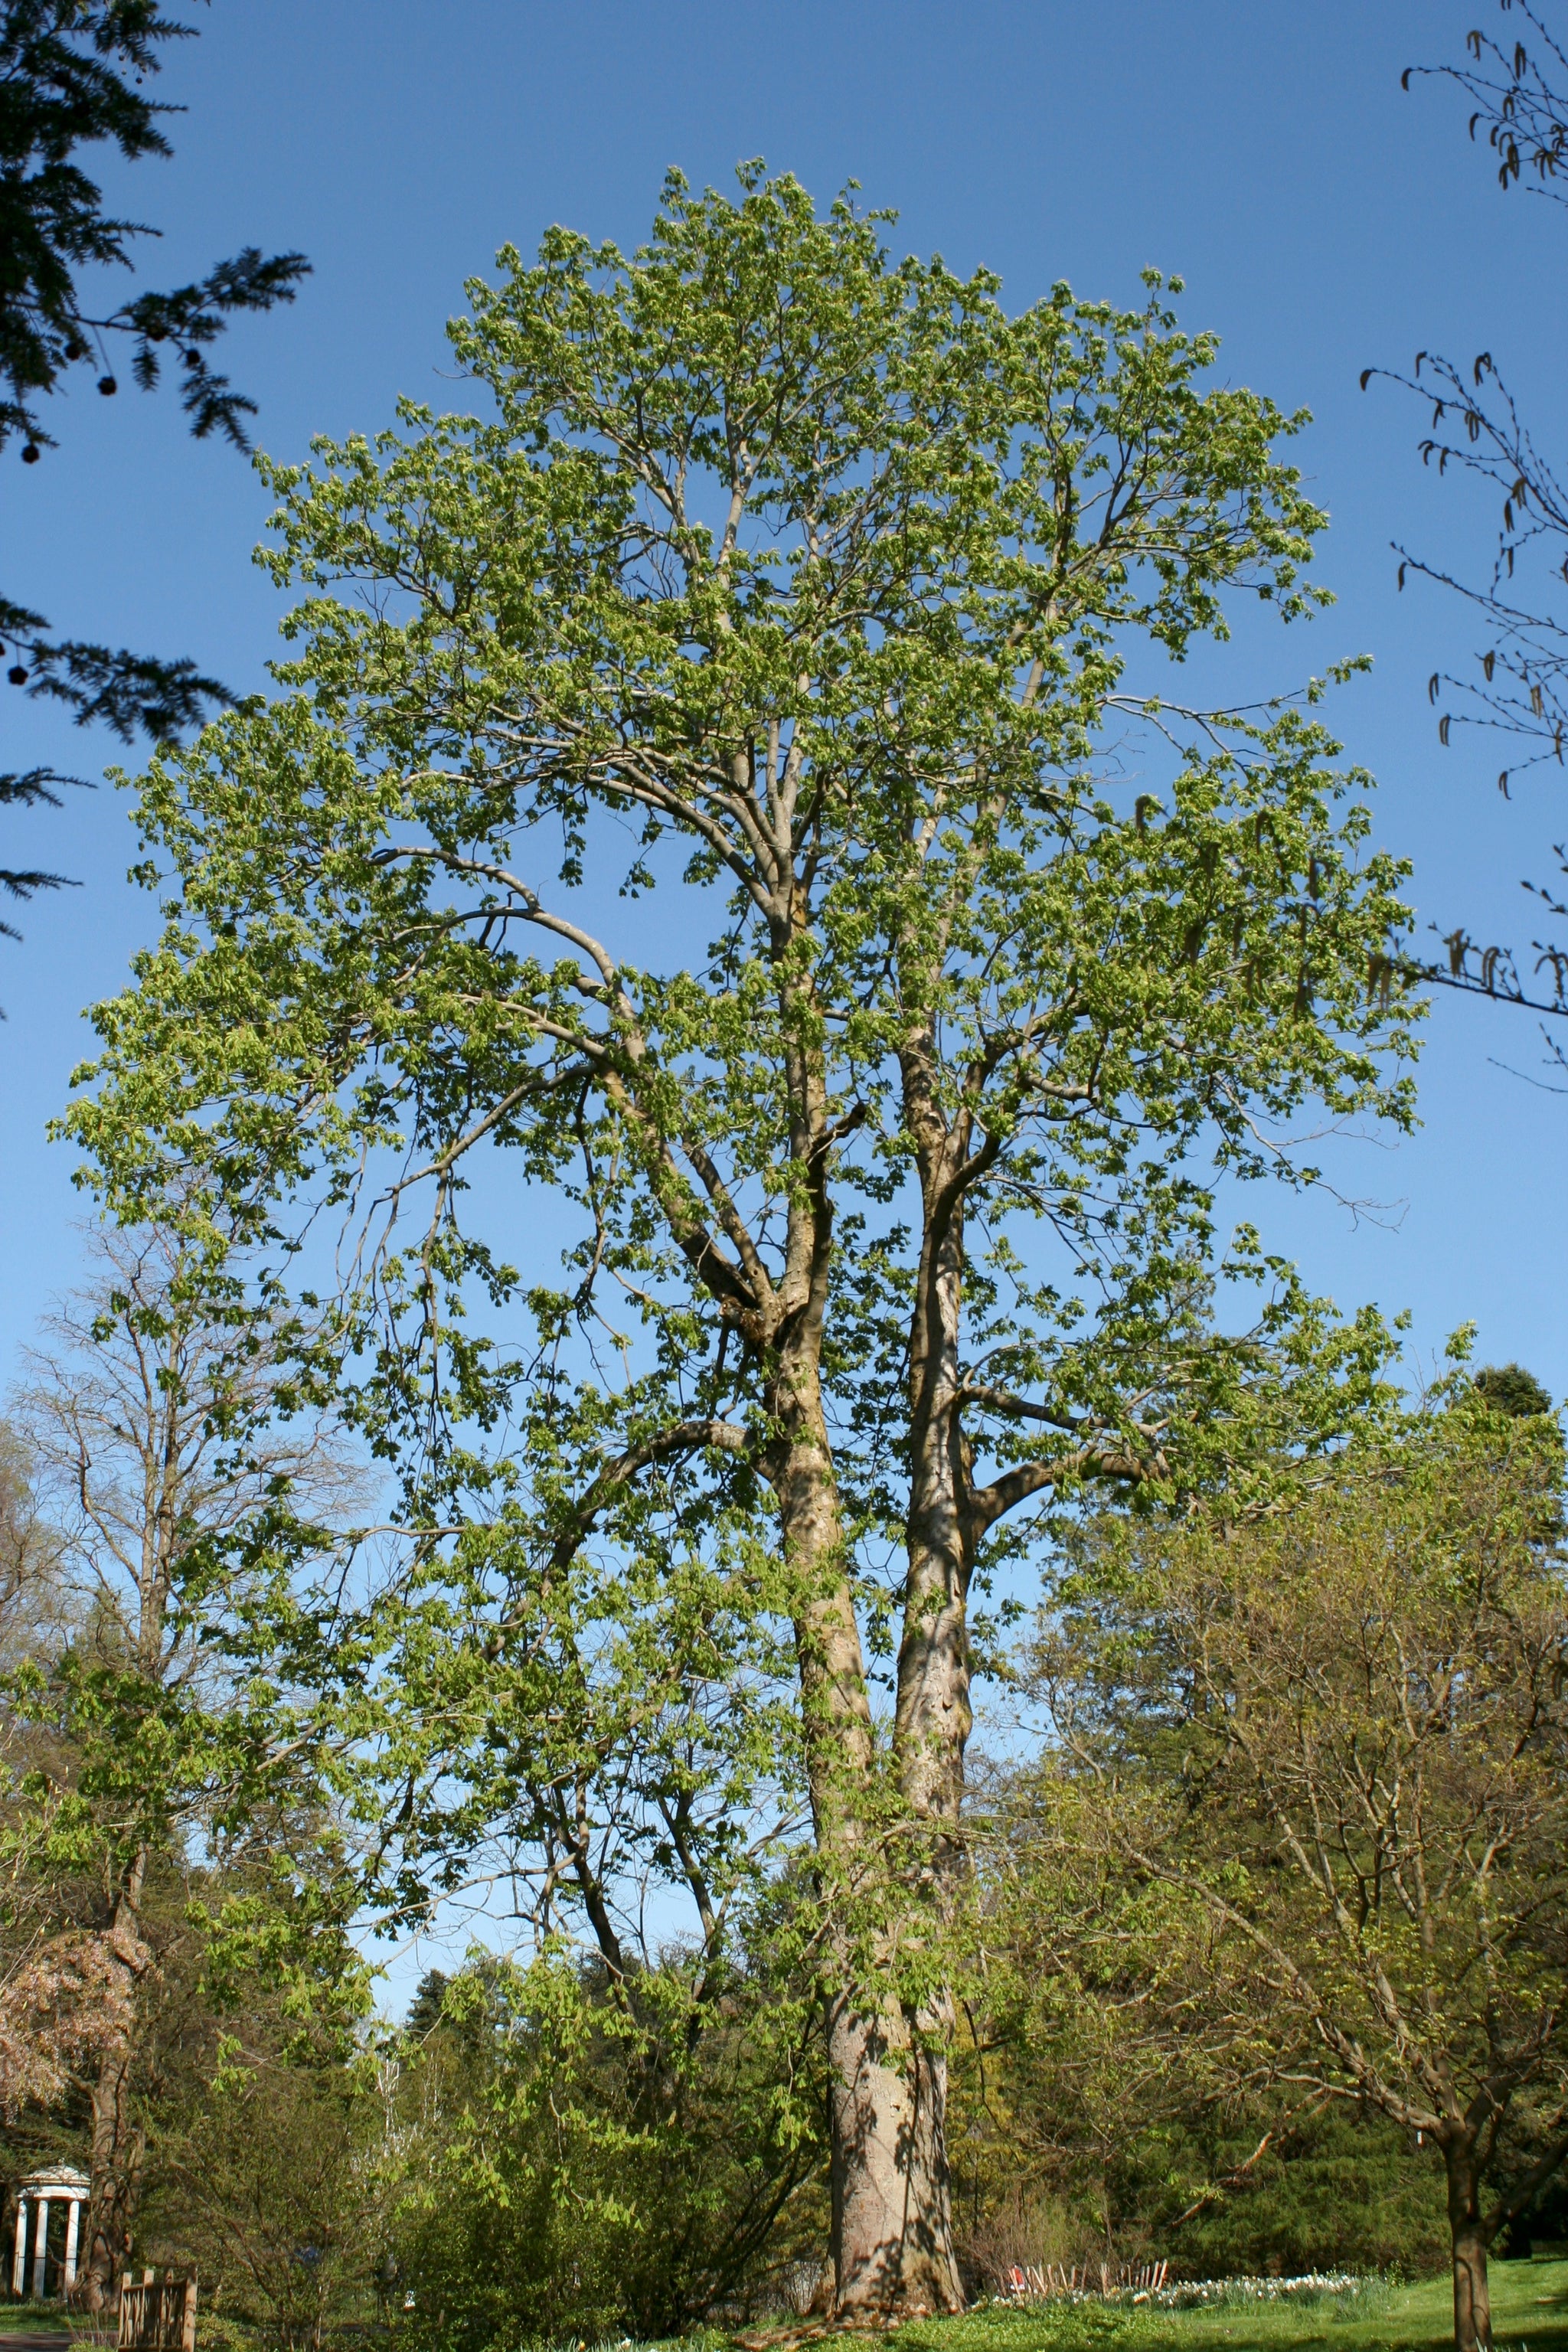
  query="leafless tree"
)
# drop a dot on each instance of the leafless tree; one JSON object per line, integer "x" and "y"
{"x": 1517, "y": 694}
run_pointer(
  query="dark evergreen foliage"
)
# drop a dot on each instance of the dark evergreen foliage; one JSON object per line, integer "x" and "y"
{"x": 1341, "y": 2190}
{"x": 72, "y": 74}
{"x": 1509, "y": 1388}
{"x": 425, "y": 2010}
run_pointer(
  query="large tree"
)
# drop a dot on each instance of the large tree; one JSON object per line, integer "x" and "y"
{"x": 811, "y": 590}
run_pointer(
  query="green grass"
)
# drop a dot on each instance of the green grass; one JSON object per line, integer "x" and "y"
{"x": 1530, "y": 2313}
{"x": 1529, "y": 2308}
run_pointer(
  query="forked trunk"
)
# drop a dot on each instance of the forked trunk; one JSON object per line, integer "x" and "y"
{"x": 1472, "y": 2299}
{"x": 892, "y": 2239}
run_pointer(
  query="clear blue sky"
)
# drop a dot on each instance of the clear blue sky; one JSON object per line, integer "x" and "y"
{"x": 1323, "y": 221}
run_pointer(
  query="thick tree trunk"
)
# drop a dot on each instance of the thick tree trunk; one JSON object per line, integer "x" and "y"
{"x": 892, "y": 2213}
{"x": 933, "y": 1717}
{"x": 932, "y": 1723}
{"x": 892, "y": 2218}
{"x": 1472, "y": 2300}
{"x": 892, "y": 2251}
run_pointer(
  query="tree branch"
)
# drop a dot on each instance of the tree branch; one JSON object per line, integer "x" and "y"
{"x": 682, "y": 1437}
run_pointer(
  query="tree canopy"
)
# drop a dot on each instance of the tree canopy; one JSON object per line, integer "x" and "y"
{"x": 1337, "y": 1729}
{"x": 812, "y": 590}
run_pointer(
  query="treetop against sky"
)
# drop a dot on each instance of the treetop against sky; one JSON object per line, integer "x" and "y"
{"x": 1351, "y": 187}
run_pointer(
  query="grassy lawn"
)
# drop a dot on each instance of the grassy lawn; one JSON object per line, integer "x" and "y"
{"x": 1529, "y": 2308}
{"x": 1530, "y": 2313}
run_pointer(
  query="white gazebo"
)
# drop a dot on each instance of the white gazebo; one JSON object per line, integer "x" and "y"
{"x": 59, "y": 2185}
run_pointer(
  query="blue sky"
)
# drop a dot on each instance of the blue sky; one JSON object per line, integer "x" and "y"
{"x": 1323, "y": 221}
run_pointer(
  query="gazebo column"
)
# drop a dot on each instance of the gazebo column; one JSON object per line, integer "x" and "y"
{"x": 73, "y": 2220}
{"x": 20, "y": 2267}
{"x": 41, "y": 2251}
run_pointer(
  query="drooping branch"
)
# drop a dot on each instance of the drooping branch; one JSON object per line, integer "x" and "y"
{"x": 571, "y": 1826}
{"x": 676, "y": 1819}
{"x": 746, "y": 1292}
{"x": 529, "y": 908}
{"x": 1216, "y": 2189}
{"x": 1345, "y": 2048}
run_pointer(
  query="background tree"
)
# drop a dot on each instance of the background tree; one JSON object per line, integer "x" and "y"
{"x": 273, "y": 2173}
{"x": 829, "y": 581}
{"x": 72, "y": 74}
{"x": 1509, "y": 1388}
{"x": 583, "y": 2155}
{"x": 1337, "y": 1732}
{"x": 1112, "y": 2105}
{"x": 148, "y": 1423}
{"x": 62, "y": 2001}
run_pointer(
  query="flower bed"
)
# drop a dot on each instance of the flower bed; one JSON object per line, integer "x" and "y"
{"x": 1308, "y": 2288}
{"x": 1186, "y": 2295}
